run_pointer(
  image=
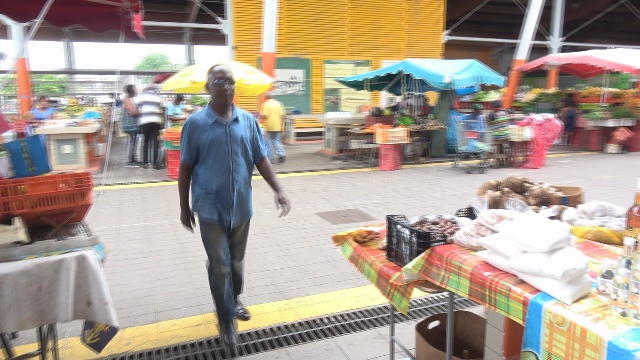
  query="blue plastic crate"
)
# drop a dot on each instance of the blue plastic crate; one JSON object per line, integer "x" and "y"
{"x": 28, "y": 156}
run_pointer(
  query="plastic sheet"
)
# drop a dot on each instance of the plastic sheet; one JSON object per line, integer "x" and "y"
{"x": 546, "y": 130}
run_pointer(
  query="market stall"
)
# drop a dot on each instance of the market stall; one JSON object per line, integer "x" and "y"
{"x": 613, "y": 108}
{"x": 496, "y": 255}
{"x": 417, "y": 76}
{"x": 73, "y": 144}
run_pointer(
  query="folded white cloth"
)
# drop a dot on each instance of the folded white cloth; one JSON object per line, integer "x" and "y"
{"x": 501, "y": 244}
{"x": 563, "y": 264}
{"x": 567, "y": 292}
{"x": 498, "y": 261}
{"x": 535, "y": 234}
{"x": 54, "y": 289}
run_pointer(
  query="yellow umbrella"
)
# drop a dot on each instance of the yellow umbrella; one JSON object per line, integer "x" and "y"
{"x": 192, "y": 79}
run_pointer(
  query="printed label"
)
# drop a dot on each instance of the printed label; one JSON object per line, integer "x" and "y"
{"x": 604, "y": 285}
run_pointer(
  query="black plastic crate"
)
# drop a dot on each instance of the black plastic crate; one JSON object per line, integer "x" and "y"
{"x": 468, "y": 212}
{"x": 405, "y": 243}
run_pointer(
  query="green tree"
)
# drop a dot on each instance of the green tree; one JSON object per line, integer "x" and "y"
{"x": 42, "y": 84}
{"x": 154, "y": 62}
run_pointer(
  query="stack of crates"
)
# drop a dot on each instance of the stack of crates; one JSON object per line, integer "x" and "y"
{"x": 390, "y": 157}
{"x": 172, "y": 147}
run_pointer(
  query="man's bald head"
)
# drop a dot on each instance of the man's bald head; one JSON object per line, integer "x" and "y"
{"x": 220, "y": 85}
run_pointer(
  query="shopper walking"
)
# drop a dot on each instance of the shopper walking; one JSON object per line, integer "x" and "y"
{"x": 151, "y": 120}
{"x": 273, "y": 115}
{"x": 130, "y": 123}
{"x": 568, "y": 115}
{"x": 220, "y": 145}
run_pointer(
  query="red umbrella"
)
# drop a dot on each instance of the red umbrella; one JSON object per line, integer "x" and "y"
{"x": 585, "y": 64}
{"x": 160, "y": 78}
{"x": 95, "y": 15}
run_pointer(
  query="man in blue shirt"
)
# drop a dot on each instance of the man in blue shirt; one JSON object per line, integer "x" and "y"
{"x": 220, "y": 145}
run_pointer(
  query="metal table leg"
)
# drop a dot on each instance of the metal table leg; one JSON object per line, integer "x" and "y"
{"x": 392, "y": 331}
{"x": 392, "y": 337}
{"x": 450, "y": 325}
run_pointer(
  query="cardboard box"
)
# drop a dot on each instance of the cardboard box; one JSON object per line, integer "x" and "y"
{"x": 468, "y": 342}
{"x": 573, "y": 197}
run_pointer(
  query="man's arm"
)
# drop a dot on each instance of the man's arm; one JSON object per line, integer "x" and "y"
{"x": 187, "y": 218}
{"x": 282, "y": 201}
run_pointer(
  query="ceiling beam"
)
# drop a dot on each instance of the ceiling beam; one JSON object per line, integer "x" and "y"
{"x": 610, "y": 26}
{"x": 194, "y": 8}
{"x": 583, "y": 9}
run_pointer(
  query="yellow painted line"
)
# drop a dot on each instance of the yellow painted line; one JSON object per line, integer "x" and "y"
{"x": 171, "y": 332}
{"x": 316, "y": 173}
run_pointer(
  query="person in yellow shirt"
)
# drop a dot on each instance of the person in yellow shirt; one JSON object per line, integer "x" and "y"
{"x": 272, "y": 114}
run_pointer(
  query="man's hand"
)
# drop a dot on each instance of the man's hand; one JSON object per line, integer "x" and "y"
{"x": 187, "y": 219}
{"x": 282, "y": 203}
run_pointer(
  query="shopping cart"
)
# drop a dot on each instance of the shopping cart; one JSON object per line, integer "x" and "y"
{"x": 473, "y": 145}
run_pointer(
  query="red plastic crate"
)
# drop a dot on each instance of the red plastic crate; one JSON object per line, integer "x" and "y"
{"x": 52, "y": 195}
{"x": 173, "y": 163}
{"x": 390, "y": 157}
{"x": 384, "y": 119}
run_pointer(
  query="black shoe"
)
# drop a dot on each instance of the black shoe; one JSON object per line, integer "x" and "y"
{"x": 132, "y": 164}
{"x": 283, "y": 159}
{"x": 144, "y": 166}
{"x": 242, "y": 313}
{"x": 158, "y": 167}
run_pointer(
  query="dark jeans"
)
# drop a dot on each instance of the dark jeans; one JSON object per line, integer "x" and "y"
{"x": 225, "y": 249}
{"x": 150, "y": 131}
{"x": 131, "y": 145}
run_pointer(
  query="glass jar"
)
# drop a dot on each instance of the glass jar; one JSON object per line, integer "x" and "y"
{"x": 605, "y": 277}
{"x": 621, "y": 292}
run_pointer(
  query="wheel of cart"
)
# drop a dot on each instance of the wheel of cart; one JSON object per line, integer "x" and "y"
{"x": 473, "y": 146}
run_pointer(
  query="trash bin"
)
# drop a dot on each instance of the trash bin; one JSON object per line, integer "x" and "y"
{"x": 468, "y": 339}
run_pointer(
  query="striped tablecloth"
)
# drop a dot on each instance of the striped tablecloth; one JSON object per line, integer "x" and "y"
{"x": 586, "y": 329}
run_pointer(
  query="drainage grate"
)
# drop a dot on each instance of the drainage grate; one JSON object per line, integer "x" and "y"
{"x": 301, "y": 332}
{"x": 345, "y": 216}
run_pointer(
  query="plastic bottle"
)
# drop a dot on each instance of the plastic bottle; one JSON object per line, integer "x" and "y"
{"x": 635, "y": 276}
{"x": 621, "y": 292}
{"x": 633, "y": 214}
{"x": 605, "y": 278}
{"x": 628, "y": 254}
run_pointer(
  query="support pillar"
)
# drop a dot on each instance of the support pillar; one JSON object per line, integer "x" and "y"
{"x": 555, "y": 42}
{"x": 70, "y": 58}
{"x": 23, "y": 81}
{"x": 228, "y": 27}
{"x": 523, "y": 49}
{"x": 269, "y": 36}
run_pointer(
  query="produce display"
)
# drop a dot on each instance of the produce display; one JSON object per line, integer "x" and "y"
{"x": 429, "y": 125}
{"x": 535, "y": 194}
{"x": 445, "y": 225}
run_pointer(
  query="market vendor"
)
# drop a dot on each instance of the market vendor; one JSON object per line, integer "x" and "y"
{"x": 43, "y": 111}
{"x": 176, "y": 110}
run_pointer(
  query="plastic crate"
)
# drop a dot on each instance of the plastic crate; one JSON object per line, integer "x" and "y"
{"x": 468, "y": 212}
{"x": 173, "y": 163}
{"x": 385, "y": 120}
{"x": 405, "y": 243}
{"x": 390, "y": 158}
{"x": 172, "y": 137}
{"x": 169, "y": 145}
{"x": 61, "y": 198}
{"x": 392, "y": 136}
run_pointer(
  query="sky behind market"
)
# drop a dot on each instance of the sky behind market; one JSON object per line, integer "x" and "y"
{"x": 48, "y": 55}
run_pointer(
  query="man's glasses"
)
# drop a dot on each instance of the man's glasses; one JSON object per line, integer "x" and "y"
{"x": 221, "y": 83}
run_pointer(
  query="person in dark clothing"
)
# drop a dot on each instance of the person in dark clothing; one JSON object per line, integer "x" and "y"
{"x": 130, "y": 123}
{"x": 568, "y": 116}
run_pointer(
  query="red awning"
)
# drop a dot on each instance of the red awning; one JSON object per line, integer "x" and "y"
{"x": 588, "y": 63}
{"x": 95, "y": 15}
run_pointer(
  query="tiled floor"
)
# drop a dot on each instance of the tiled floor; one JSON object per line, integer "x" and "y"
{"x": 156, "y": 269}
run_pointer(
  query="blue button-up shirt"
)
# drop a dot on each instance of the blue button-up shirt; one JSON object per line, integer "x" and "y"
{"x": 222, "y": 155}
